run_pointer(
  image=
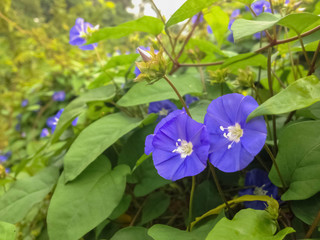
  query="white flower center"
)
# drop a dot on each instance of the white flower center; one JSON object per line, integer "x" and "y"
{"x": 234, "y": 133}
{"x": 259, "y": 191}
{"x": 163, "y": 112}
{"x": 184, "y": 148}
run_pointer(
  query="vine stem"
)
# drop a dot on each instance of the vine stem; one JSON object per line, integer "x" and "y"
{"x": 275, "y": 164}
{"x": 314, "y": 59}
{"x": 216, "y": 180}
{"x": 313, "y": 226}
{"x": 193, "y": 186}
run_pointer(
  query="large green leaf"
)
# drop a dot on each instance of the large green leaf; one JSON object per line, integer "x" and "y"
{"x": 132, "y": 233}
{"x": 79, "y": 105}
{"x": 155, "y": 205}
{"x": 79, "y": 206}
{"x": 188, "y": 9}
{"x": 244, "y": 60}
{"x": 25, "y": 193}
{"x": 7, "y": 231}
{"x": 218, "y": 20}
{"x": 204, "y": 45}
{"x": 298, "y": 21}
{"x": 298, "y": 160}
{"x": 163, "y": 232}
{"x": 300, "y": 94}
{"x": 144, "y": 24}
{"x": 246, "y": 225}
{"x": 95, "y": 139}
{"x": 142, "y": 93}
{"x": 307, "y": 210}
{"x": 121, "y": 60}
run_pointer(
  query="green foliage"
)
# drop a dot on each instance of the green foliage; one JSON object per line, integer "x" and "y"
{"x": 298, "y": 160}
{"x": 8, "y": 231}
{"x": 132, "y": 233}
{"x": 87, "y": 200}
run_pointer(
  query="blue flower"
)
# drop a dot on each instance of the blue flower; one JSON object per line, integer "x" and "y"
{"x": 137, "y": 71}
{"x": 233, "y": 141}
{"x": 79, "y": 32}
{"x": 44, "y": 133}
{"x": 59, "y": 96}
{"x": 261, "y": 6}
{"x": 209, "y": 29}
{"x": 52, "y": 122}
{"x": 5, "y": 156}
{"x": 163, "y": 108}
{"x": 24, "y": 103}
{"x": 179, "y": 145}
{"x": 75, "y": 121}
{"x": 190, "y": 99}
{"x": 233, "y": 17}
{"x": 194, "y": 19}
{"x": 261, "y": 185}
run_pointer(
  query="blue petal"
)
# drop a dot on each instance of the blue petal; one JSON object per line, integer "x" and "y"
{"x": 148, "y": 149}
{"x": 89, "y": 47}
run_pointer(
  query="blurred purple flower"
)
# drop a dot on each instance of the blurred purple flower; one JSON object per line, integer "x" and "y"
{"x": 261, "y": 6}
{"x": 5, "y": 156}
{"x": 194, "y": 19}
{"x": 233, "y": 17}
{"x": 24, "y": 103}
{"x": 44, "y": 133}
{"x": 75, "y": 121}
{"x": 233, "y": 141}
{"x": 209, "y": 29}
{"x": 52, "y": 122}
{"x": 190, "y": 99}
{"x": 137, "y": 71}
{"x": 79, "y": 32}
{"x": 59, "y": 96}
{"x": 163, "y": 108}
{"x": 258, "y": 35}
{"x": 180, "y": 146}
{"x": 261, "y": 185}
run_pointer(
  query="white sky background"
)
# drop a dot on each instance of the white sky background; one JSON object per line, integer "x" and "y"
{"x": 166, "y": 7}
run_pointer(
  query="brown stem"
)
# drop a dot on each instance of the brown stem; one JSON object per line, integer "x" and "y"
{"x": 313, "y": 226}
{"x": 314, "y": 59}
{"x": 304, "y": 51}
{"x": 200, "y": 64}
{"x": 279, "y": 80}
{"x": 179, "y": 33}
{"x": 165, "y": 50}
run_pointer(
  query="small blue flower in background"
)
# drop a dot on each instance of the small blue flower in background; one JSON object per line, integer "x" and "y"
{"x": 258, "y": 35}
{"x": 233, "y": 17}
{"x": 137, "y": 71}
{"x": 209, "y": 29}
{"x": 79, "y": 32}
{"x": 233, "y": 141}
{"x": 5, "y": 157}
{"x": 190, "y": 99}
{"x": 44, "y": 133}
{"x": 194, "y": 19}
{"x": 52, "y": 122}
{"x": 261, "y": 185}
{"x": 24, "y": 103}
{"x": 163, "y": 108}
{"x": 59, "y": 96}
{"x": 75, "y": 121}
{"x": 179, "y": 145}
{"x": 261, "y": 6}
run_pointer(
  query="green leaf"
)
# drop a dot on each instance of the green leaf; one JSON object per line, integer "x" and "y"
{"x": 248, "y": 224}
{"x": 79, "y": 206}
{"x": 142, "y": 93}
{"x": 298, "y": 21}
{"x": 121, "y": 208}
{"x": 95, "y": 139}
{"x": 199, "y": 109}
{"x": 298, "y": 160}
{"x": 25, "y": 193}
{"x": 102, "y": 80}
{"x": 307, "y": 210}
{"x": 204, "y": 46}
{"x": 132, "y": 233}
{"x": 121, "y": 60}
{"x": 155, "y": 205}
{"x": 243, "y": 28}
{"x": 144, "y": 24}
{"x": 300, "y": 94}
{"x": 163, "y": 232}
{"x": 188, "y": 10}
{"x": 244, "y": 60}
{"x": 79, "y": 105}
{"x": 7, "y": 231}
{"x": 218, "y": 21}
{"x": 246, "y": 2}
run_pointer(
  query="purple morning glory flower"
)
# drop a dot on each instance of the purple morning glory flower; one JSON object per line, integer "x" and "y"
{"x": 137, "y": 71}
{"x": 194, "y": 19}
{"x": 75, "y": 121}
{"x": 209, "y": 29}
{"x": 59, "y": 96}
{"x": 163, "y": 108}
{"x": 52, "y": 122}
{"x": 233, "y": 17}
{"x": 233, "y": 141}
{"x": 24, "y": 103}
{"x": 179, "y": 145}
{"x": 79, "y": 32}
{"x": 261, "y": 6}
{"x": 5, "y": 156}
{"x": 190, "y": 99}
{"x": 44, "y": 133}
{"x": 261, "y": 185}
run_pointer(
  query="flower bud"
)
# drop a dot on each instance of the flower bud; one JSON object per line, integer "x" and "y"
{"x": 245, "y": 77}
{"x": 219, "y": 76}
{"x": 153, "y": 66}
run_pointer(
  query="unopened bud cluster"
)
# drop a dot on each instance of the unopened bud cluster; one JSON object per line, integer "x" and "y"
{"x": 219, "y": 76}
{"x": 245, "y": 77}
{"x": 153, "y": 66}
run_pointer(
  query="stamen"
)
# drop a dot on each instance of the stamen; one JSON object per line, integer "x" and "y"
{"x": 184, "y": 148}
{"x": 234, "y": 133}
